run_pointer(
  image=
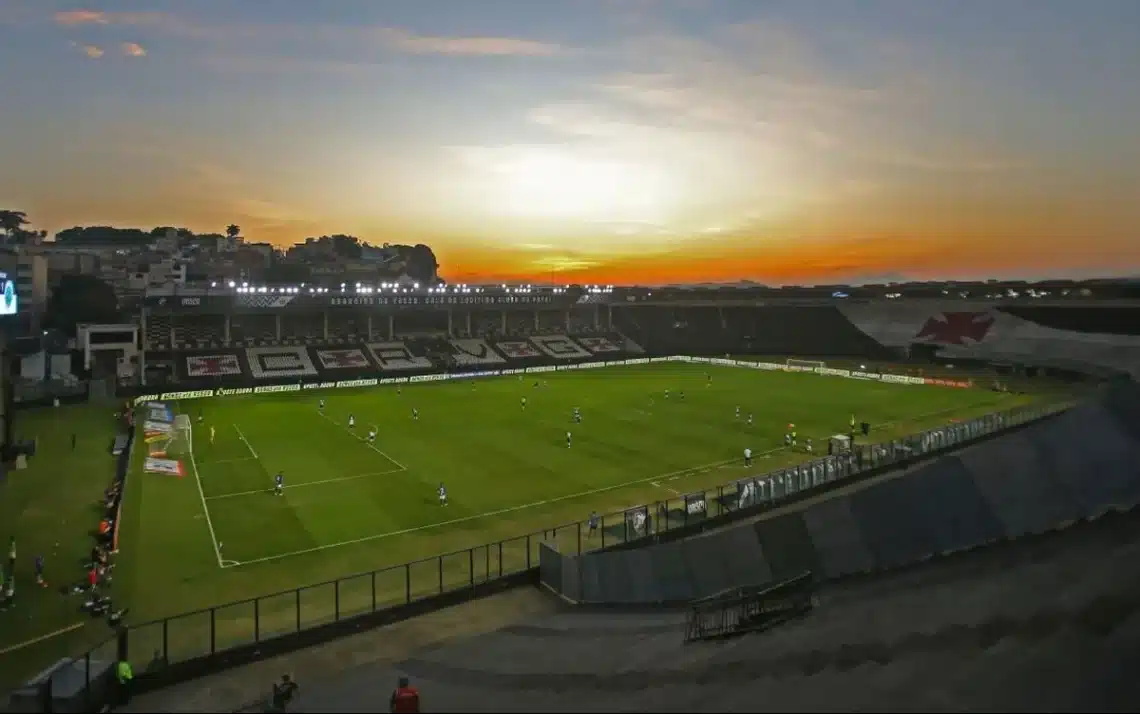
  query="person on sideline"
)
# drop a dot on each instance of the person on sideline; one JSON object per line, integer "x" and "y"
{"x": 405, "y": 699}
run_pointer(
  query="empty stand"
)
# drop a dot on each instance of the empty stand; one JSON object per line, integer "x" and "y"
{"x": 396, "y": 357}
{"x": 470, "y": 352}
{"x": 342, "y": 358}
{"x": 213, "y": 365}
{"x": 599, "y": 345}
{"x": 518, "y": 349}
{"x": 275, "y": 362}
{"x": 559, "y": 347}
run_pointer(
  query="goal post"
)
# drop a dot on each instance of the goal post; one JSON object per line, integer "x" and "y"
{"x": 181, "y": 441}
{"x": 805, "y": 364}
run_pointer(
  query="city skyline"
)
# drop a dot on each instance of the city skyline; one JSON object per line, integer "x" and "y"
{"x": 602, "y": 141}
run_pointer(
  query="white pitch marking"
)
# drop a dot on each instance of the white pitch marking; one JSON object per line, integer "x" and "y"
{"x": 309, "y": 483}
{"x": 246, "y": 442}
{"x": 364, "y": 441}
{"x": 489, "y": 514}
{"x": 537, "y": 504}
{"x": 202, "y": 496}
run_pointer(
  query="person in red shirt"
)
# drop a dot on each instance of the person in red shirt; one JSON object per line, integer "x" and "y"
{"x": 93, "y": 578}
{"x": 405, "y": 699}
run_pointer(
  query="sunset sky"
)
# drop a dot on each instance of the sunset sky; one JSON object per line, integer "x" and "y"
{"x": 618, "y": 141}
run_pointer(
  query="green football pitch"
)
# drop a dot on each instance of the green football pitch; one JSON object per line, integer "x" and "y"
{"x": 218, "y": 534}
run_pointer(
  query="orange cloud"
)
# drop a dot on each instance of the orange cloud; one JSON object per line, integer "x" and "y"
{"x": 72, "y": 18}
{"x": 90, "y": 50}
{"x": 133, "y": 49}
{"x": 411, "y": 43}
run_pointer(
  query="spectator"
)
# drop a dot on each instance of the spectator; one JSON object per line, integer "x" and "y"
{"x": 406, "y": 699}
{"x": 283, "y": 693}
{"x": 125, "y": 676}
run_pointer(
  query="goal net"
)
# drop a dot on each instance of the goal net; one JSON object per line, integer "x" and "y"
{"x": 180, "y": 442}
{"x": 806, "y": 364}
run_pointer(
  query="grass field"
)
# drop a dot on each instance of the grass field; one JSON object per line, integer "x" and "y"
{"x": 219, "y": 534}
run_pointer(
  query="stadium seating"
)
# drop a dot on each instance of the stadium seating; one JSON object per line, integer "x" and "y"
{"x": 471, "y": 352}
{"x": 397, "y": 357}
{"x": 559, "y": 347}
{"x": 253, "y": 330}
{"x": 519, "y": 351}
{"x": 196, "y": 332}
{"x": 213, "y": 365}
{"x": 302, "y": 328}
{"x": 794, "y": 331}
{"x": 601, "y": 345}
{"x": 277, "y": 362}
{"x": 340, "y": 359}
{"x": 159, "y": 333}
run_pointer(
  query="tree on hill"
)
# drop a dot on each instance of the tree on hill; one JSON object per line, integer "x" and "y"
{"x": 103, "y": 235}
{"x": 80, "y": 299}
{"x": 12, "y": 223}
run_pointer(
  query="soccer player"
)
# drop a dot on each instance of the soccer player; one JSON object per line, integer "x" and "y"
{"x": 372, "y": 435}
{"x": 321, "y": 406}
{"x": 211, "y": 434}
{"x": 351, "y": 422}
{"x": 748, "y": 457}
{"x": 749, "y": 418}
{"x": 200, "y": 417}
{"x": 788, "y": 439}
{"x": 708, "y": 379}
{"x": 279, "y": 484}
{"x": 415, "y": 414}
{"x": 681, "y": 396}
{"x": 442, "y": 495}
{"x": 40, "y": 571}
{"x": 666, "y": 393}
{"x": 524, "y": 403}
{"x": 807, "y": 445}
{"x": 793, "y": 435}
{"x": 738, "y": 412}
{"x": 593, "y": 524}
{"x": 568, "y": 438}
{"x": 577, "y": 416}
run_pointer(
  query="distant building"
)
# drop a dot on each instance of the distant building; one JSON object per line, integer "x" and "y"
{"x": 30, "y": 273}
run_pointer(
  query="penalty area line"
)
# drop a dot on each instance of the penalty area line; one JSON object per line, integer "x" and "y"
{"x": 322, "y": 482}
{"x": 363, "y": 440}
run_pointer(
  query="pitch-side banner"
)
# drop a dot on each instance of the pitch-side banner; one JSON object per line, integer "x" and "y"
{"x": 168, "y": 467}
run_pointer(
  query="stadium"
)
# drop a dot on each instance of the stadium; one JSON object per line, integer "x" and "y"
{"x": 609, "y": 498}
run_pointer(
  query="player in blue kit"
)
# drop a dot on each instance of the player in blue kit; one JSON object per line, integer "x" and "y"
{"x": 279, "y": 484}
{"x": 442, "y": 495}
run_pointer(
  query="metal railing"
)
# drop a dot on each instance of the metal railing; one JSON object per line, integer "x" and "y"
{"x": 749, "y": 608}
{"x": 152, "y": 646}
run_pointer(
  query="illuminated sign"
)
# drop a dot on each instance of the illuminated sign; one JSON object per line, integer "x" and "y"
{"x": 10, "y": 303}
